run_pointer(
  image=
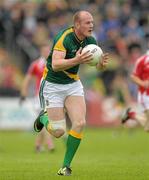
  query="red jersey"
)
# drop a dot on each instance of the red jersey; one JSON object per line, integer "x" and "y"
{"x": 141, "y": 70}
{"x": 36, "y": 69}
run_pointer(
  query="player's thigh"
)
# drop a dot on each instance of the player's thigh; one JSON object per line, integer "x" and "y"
{"x": 53, "y": 96}
{"x": 76, "y": 108}
{"x": 56, "y": 113}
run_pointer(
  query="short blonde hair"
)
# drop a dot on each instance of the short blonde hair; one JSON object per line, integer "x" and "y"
{"x": 76, "y": 17}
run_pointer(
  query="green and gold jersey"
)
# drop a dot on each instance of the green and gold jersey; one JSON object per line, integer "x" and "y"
{"x": 65, "y": 41}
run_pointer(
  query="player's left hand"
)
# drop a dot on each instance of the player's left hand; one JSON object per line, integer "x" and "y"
{"x": 103, "y": 62}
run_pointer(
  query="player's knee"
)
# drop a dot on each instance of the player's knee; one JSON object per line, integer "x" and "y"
{"x": 80, "y": 124}
{"x": 58, "y": 133}
{"x": 58, "y": 128}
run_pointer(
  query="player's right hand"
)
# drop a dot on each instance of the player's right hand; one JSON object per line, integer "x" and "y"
{"x": 83, "y": 57}
{"x": 21, "y": 100}
{"x": 104, "y": 61}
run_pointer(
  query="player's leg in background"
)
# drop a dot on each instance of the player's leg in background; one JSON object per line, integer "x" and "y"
{"x": 38, "y": 142}
{"x": 146, "y": 127}
{"x": 143, "y": 100}
{"x": 43, "y": 139}
{"x": 48, "y": 141}
{"x": 140, "y": 118}
{"x": 139, "y": 114}
{"x": 132, "y": 114}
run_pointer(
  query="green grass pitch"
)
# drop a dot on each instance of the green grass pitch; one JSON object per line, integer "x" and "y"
{"x": 104, "y": 154}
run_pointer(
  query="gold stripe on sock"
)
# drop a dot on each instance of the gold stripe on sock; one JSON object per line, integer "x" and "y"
{"x": 75, "y": 134}
{"x": 49, "y": 128}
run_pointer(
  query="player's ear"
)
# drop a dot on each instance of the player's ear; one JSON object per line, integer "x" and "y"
{"x": 77, "y": 25}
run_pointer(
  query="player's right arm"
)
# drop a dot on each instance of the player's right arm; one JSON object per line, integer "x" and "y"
{"x": 59, "y": 63}
{"x": 137, "y": 74}
{"x": 26, "y": 82}
{"x": 140, "y": 82}
{"x": 25, "y": 85}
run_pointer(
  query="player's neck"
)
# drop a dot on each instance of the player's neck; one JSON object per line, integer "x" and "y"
{"x": 78, "y": 35}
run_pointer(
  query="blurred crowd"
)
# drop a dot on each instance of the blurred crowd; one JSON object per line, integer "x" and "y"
{"x": 121, "y": 28}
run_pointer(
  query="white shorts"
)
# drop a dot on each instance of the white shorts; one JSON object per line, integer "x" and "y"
{"x": 54, "y": 95}
{"x": 143, "y": 100}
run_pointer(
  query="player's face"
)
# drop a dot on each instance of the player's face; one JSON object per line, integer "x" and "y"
{"x": 86, "y": 25}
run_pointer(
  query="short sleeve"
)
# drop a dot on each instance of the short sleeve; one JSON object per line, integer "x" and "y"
{"x": 32, "y": 69}
{"x": 137, "y": 71}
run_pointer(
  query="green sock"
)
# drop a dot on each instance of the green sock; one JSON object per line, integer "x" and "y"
{"x": 44, "y": 120}
{"x": 72, "y": 146}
